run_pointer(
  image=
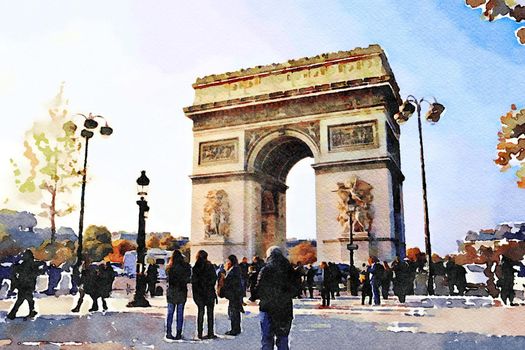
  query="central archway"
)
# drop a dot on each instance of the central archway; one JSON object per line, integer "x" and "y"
{"x": 271, "y": 160}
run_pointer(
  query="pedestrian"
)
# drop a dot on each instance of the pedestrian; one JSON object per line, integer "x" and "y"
{"x": 90, "y": 280}
{"x": 232, "y": 291}
{"x": 451, "y": 271}
{"x": 54, "y": 273}
{"x": 179, "y": 273}
{"x": 243, "y": 265}
{"x": 252, "y": 279}
{"x": 152, "y": 275}
{"x": 299, "y": 274}
{"x": 506, "y": 282}
{"x": 23, "y": 278}
{"x": 461, "y": 279}
{"x": 203, "y": 281}
{"x": 77, "y": 280}
{"x": 353, "y": 280}
{"x": 366, "y": 288}
{"x": 106, "y": 278}
{"x": 325, "y": 285}
{"x": 401, "y": 278}
{"x": 310, "y": 276}
{"x": 275, "y": 290}
{"x": 387, "y": 279}
{"x": 336, "y": 279}
{"x": 376, "y": 271}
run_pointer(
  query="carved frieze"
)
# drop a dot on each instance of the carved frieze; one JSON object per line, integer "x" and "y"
{"x": 353, "y": 136}
{"x": 216, "y": 215}
{"x": 221, "y": 151}
{"x": 284, "y": 109}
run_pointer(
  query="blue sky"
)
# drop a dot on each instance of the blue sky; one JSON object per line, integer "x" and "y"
{"x": 134, "y": 62}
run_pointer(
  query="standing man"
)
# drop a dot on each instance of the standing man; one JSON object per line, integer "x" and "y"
{"x": 376, "y": 271}
{"x": 275, "y": 290}
{"x": 24, "y": 279}
{"x": 232, "y": 291}
{"x": 401, "y": 278}
{"x": 310, "y": 274}
{"x": 152, "y": 275}
{"x": 244, "y": 274}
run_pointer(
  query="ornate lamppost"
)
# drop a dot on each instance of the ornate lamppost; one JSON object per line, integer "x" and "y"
{"x": 89, "y": 124}
{"x": 409, "y": 106}
{"x": 139, "y": 299}
{"x": 350, "y": 210}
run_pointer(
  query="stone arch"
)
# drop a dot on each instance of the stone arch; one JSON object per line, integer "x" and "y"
{"x": 284, "y": 148}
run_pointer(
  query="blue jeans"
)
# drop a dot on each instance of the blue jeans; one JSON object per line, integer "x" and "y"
{"x": 180, "y": 317}
{"x": 376, "y": 293}
{"x": 268, "y": 337}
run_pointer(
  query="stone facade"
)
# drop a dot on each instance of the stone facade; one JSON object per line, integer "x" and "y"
{"x": 251, "y": 127}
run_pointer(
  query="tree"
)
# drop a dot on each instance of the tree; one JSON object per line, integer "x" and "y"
{"x": 496, "y": 9}
{"x": 303, "y": 252}
{"x": 97, "y": 242}
{"x": 169, "y": 242}
{"x": 511, "y": 144}
{"x": 52, "y": 151}
{"x": 153, "y": 241}
{"x": 120, "y": 247}
{"x": 186, "y": 251}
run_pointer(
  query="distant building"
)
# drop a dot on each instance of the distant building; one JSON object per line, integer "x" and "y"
{"x": 495, "y": 237}
{"x": 292, "y": 242}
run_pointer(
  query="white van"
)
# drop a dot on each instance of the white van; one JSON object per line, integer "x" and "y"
{"x": 160, "y": 256}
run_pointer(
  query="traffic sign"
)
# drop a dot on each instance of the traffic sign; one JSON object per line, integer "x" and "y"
{"x": 352, "y": 246}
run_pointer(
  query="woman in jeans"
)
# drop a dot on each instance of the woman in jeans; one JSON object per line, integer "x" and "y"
{"x": 179, "y": 273}
{"x": 203, "y": 287}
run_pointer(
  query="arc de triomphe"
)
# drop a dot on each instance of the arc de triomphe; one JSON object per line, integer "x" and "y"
{"x": 250, "y": 127}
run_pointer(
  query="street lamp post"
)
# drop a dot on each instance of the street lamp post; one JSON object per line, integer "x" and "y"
{"x": 89, "y": 124}
{"x": 351, "y": 204}
{"x": 139, "y": 299}
{"x": 409, "y": 106}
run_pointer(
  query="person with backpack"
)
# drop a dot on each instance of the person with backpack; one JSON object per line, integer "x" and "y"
{"x": 203, "y": 281}
{"x": 179, "y": 273}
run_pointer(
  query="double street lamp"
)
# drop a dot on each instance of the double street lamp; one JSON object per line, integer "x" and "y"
{"x": 406, "y": 110}
{"x": 139, "y": 299}
{"x": 89, "y": 124}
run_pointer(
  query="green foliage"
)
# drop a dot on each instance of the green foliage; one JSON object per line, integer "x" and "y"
{"x": 97, "y": 243}
{"x": 52, "y": 151}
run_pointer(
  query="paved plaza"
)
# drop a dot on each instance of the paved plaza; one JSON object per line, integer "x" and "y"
{"x": 438, "y": 322}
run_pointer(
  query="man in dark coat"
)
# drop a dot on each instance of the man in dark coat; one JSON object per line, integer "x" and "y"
{"x": 232, "y": 290}
{"x": 353, "y": 280}
{"x": 506, "y": 281}
{"x": 387, "y": 279}
{"x": 275, "y": 290}
{"x": 244, "y": 274}
{"x": 402, "y": 279}
{"x": 179, "y": 273}
{"x": 90, "y": 280}
{"x": 106, "y": 277}
{"x": 152, "y": 275}
{"x": 24, "y": 279}
{"x": 366, "y": 288}
{"x": 452, "y": 275}
{"x": 203, "y": 281}
{"x": 310, "y": 275}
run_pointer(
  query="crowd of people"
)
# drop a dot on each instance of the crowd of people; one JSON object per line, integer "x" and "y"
{"x": 274, "y": 283}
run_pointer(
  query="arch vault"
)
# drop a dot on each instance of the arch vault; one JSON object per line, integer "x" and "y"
{"x": 252, "y": 126}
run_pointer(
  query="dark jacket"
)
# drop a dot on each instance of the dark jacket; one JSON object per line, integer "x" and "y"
{"x": 24, "y": 275}
{"x": 178, "y": 278}
{"x": 90, "y": 276}
{"x": 275, "y": 290}
{"x": 106, "y": 278}
{"x": 203, "y": 281}
{"x": 232, "y": 289}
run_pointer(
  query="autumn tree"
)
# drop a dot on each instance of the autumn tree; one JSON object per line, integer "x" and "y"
{"x": 153, "y": 241}
{"x": 511, "y": 146}
{"x": 303, "y": 252}
{"x": 97, "y": 242}
{"x": 52, "y": 151}
{"x": 120, "y": 247}
{"x": 169, "y": 242}
{"x": 497, "y": 9}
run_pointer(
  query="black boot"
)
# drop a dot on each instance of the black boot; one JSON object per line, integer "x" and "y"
{"x": 179, "y": 335}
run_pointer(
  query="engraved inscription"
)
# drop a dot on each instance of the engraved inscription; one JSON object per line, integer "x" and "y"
{"x": 223, "y": 151}
{"x": 353, "y": 136}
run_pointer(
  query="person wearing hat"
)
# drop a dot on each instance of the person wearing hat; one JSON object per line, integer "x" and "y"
{"x": 275, "y": 289}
